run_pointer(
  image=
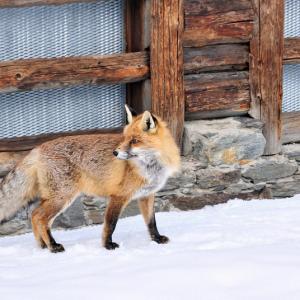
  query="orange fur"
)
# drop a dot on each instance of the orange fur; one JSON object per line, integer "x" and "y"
{"x": 59, "y": 170}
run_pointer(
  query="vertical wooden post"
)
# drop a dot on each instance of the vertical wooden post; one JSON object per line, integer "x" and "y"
{"x": 267, "y": 63}
{"x": 167, "y": 63}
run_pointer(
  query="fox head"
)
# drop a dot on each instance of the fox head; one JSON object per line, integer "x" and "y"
{"x": 145, "y": 137}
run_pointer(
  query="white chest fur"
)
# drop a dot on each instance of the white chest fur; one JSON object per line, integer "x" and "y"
{"x": 155, "y": 174}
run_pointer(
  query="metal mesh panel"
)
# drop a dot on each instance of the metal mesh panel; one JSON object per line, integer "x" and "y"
{"x": 291, "y": 88}
{"x": 292, "y": 18}
{"x": 63, "y": 30}
{"x": 60, "y": 110}
{"x": 60, "y": 31}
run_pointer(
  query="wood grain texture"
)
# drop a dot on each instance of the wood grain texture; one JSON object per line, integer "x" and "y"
{"x": 271, "y": 61}
{"x": 28, "y": 143}
{"x": 216, "y": 58}
{"x": 291, "y": 54}
{"x": 48, "y": 73}
{"x": 167, "y": 63}
{"x": 24, "y": 3}
{"x": 137, "y": 39}
{"x": 224, "y": 91}
{"x": 290, "y": 127}
{"x": 254, "y": 65}
{"x": 217, "y": 21}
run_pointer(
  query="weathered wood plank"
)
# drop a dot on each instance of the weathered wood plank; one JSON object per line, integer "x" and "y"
{"x": 271, "y": 61}
{"x": 254, "y": 65}
{"x": 28, "y": 143}
{"x": 219, "y": 21}
{"x": 213, "y": 7}
{"x": 138, "y": 39}
{"x": 224, "y": 91}
{"x": 216, "y": 58}
{"x": 291, "y": 54}
{"x": 290, "y": 127}
{"x": 23, "y": 3}
{"x": 167, "y": 63}
{"x": 48, "y": 73}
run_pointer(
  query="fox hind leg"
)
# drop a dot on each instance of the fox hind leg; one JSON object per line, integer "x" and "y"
{"x": 113, "y": 211}
{"x": 41, "y": 220}
{"x": 146, "y": 205}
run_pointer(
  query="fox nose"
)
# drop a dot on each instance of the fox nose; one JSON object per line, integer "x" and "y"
{"x": 115, "y": 153}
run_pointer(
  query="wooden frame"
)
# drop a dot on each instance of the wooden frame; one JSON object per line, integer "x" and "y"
{"x": 167, "y": 63}
{"x": 266, "y": 50}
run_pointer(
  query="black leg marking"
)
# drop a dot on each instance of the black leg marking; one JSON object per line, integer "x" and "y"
{"x": 155, "y": 236}
{"x": 109, "y": 244}
{"x": 55, "y": 247}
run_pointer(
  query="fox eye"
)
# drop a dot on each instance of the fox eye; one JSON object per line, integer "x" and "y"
{"x": 134, "y": 141}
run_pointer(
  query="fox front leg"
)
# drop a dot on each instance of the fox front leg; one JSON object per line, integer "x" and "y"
{"x": 113, "y": 211}
{"x": 147, "y": 209}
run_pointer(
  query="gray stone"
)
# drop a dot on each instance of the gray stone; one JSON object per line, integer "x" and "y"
{"x": 217, "y": 177}
{"x": 292, "y": 151}
{"x": 224, "y": 141}
{"x": 285, "y": 187}
{"x": 73, "y": 217}
{"x": 269, "y": 168}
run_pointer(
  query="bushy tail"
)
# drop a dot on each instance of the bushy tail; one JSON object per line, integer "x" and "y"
{"x": 17, "y": 189}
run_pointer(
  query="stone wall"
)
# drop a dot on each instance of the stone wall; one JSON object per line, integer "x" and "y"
{"x": 222, "y": 159}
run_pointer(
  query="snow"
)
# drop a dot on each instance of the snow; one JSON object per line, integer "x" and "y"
{"x": 238, "y": 250}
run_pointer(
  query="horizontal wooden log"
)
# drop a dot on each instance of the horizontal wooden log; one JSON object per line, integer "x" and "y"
{"x": 216, "y": 58}
{"x": 227, "y": 91}
{"x": 291, "y": 51}
{"x": 60, "y": 72}
{"x": 28, "y": 143}
{"x": 213, "y": 7}
{"x": 290, "y": 127}
{"x": 216, "y": 22}
{"x": 24, "y": 3}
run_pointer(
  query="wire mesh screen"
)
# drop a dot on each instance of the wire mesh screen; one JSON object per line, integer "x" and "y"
{"x": 292, "y": 18}
{"x": 61, "y": 31}
{"x": 61, "y": 110}
{"x": 291, "y": 88}
{"x": 291, "y": 73}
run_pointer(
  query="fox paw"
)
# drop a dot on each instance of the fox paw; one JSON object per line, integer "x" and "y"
{"x": 57, "y": 248}
{"x": 161, "y": 239}
{"x": 111, "y": 245}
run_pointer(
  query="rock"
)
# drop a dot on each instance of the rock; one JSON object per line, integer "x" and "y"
{"x": 292, "y": 151}
{"x": 199, "y": 201}
{"x": 269, "y": 168}
{"x": 224, "y": 141}
{"x": 217, "y": 177}
{"x": 73, "y": 217}
{"x": 285, "y": 187}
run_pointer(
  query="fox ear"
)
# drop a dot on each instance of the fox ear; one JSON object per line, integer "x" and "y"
{"x": 148, "y": 122}
{"x": 130, "y": 113}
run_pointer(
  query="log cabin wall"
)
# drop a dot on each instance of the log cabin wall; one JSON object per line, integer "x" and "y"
{"x": 216, "y": 57}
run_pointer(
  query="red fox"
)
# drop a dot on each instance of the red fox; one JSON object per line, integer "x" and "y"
{"x": 121, "y": 167}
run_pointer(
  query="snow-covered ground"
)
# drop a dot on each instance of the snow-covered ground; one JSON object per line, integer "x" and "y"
{"x": 239, "y": 250}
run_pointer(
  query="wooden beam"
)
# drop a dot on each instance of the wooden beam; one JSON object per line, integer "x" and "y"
{"x": 271, "y": 64}
{"x": 291, "y": 54}
{"x": 48, "y": 73}
{"x": 215, "y": 22}
{"x": 28, "y": 143}
{"x": 215, "y": 92}
{"x": 167, "y": 63}
{"x": 290, "y": 127}
{"x": 138, "y": 39}
{"x": 254, "y": 65}
{"x": 24, "y": 3}
{"x": 216, "y": 58}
